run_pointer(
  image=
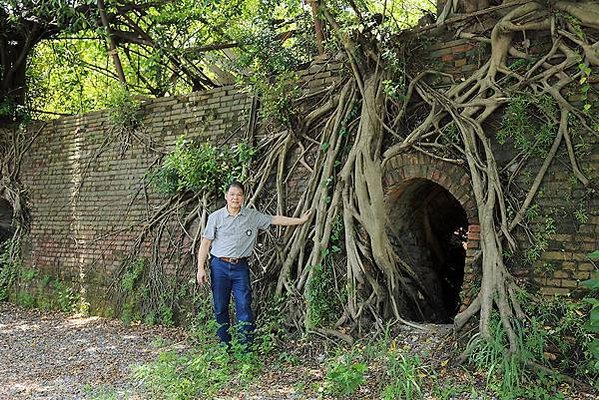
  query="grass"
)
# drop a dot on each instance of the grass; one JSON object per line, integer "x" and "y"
{"x": 406, "y": 365}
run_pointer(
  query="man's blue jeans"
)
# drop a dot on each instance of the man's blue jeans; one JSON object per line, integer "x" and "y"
{"x": 226, "y": 278}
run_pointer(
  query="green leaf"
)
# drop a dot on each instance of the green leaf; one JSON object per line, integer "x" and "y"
{"x": 592, "y": 302}
{"x": 594, "y": 346}
{"x": 595, "y": 319}
{"x": 592, "y": 283}
{"x": 594, "y": 255}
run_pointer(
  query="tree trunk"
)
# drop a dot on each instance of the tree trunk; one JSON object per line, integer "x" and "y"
{"x": 13, "y": 81}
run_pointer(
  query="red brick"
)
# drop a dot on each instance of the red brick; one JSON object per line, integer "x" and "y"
{"x": 552, "y": 291}
{"x": 462, "y": 49}
{"x": 472, "y": 244}
{"x": 474, "y": 228}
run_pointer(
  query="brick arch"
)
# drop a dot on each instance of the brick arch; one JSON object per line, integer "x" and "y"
{"x": 405, "y": 167}
{"x": 404, "y": 170}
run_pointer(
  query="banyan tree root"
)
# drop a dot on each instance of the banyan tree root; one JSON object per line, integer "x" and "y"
{"x": 469, "y": 104}
{"x": 14, "y": 144}
{"x": 342, "y": 144}
{"x": 378, "y": 282}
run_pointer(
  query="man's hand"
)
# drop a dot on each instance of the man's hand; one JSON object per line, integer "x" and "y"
{"x": 201, "y": 276}
{"x": 306, "y": 216}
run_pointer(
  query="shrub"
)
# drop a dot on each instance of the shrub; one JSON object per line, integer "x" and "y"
{"x": 345, "y": 375}
{"x": 201, "y": 167}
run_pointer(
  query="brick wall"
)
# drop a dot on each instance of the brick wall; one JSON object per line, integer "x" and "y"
{"x": 87, "y": 201}
{"x": 85, "y": 185}
{"x": 564, "y": 263}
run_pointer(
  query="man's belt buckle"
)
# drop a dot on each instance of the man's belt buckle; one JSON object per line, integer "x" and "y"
{"x": 231, "y": 260}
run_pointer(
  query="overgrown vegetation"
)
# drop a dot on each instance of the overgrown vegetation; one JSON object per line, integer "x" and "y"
{"x": 25, "y": 287}
{"x": 324, "y": 309}
{"x": 192, "y": 178}
{"x": 10, "y": 267}
{"x": 592, "y": 325}
{"x": 543, "y": 105}
{"x": 201, "y": 168}
{"x": 209, "y": 367}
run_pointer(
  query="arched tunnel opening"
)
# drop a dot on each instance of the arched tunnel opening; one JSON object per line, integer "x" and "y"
{"x": 428, "y": 228}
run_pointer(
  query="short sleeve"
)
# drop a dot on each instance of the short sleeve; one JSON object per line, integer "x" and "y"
{"x": 263, "y": 221}
{"x": 210, "y": 230}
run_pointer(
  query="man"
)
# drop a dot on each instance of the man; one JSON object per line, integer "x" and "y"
{"x": 230, "y": 236}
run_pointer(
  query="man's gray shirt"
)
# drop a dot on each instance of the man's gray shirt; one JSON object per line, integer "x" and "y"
{"x": 235, "y": 236}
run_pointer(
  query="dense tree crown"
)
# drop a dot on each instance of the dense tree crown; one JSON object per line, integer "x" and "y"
{"x": 68, "y": 56}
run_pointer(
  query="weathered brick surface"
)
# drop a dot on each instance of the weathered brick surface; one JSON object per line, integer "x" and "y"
{"x": 565, "y": 258}
{"x": 87, "y": 204}
{"x": 86, "y": 194}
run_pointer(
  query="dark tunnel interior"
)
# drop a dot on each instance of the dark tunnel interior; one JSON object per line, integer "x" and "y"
{"x": 428, "y": 228}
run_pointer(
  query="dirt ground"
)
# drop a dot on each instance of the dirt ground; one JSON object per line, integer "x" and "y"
{"x": 49, "y": 355}
{"x": 57, "y": 356}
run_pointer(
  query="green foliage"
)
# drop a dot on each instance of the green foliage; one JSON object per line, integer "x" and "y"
{"x": 27, "y": 275}
{"x": 527, "y": 123}
{"x": 145, "y": 294}
{"x": 201, "y": 167}
{"x": 585, "y": 85}
{"x": 137, "y": 304}
{"x": 450, "y": 390}
{"x": 345, "y": 375}
{"x": 581, "y": 214}
{"x": 72, "y": 72}
{"x": 25, "y": 299}
{"x": 15, "y": 279}
{"x": 124, "y": 110}
{"x": 394, "y": 90}
{"x": 506, "y": 372}
{"x": 592, "y": 326}
{"x": 546, "y": 268}
{"x": 271, "y": 326}
{"x": 322, "y": 306}
{"x": 10, "y": 110}
{"x": 10, "y": 267}
{"x": 132, "y": 275}
{"x": 101, "y": 393}
{"x": 562, "y": 322}
{"x": 268, "y": 65}
{"x": 134, "y": 292}
{"x": 130, "y": 313}
{"x": 66, "y": 297}
{"x": 202, "y": 372}
{"x": 544, "y": 229}
{"x": 566, "y": 18}
{"x": 402, "y": 373}
{"x": 405, "y": 373}
{"x": 63, "y": 75}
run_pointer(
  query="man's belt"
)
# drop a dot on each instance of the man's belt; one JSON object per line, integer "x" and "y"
{"x": 232, "y": 260}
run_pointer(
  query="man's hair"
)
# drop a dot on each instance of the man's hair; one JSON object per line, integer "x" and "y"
{"x": 237, "y": 185}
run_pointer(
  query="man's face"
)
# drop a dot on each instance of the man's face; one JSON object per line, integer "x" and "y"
{"x": 234, "y": 197}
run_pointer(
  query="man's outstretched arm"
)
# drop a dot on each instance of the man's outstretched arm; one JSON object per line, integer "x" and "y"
{"x": 202, "y": 255}
{"x": 289, "y": 221}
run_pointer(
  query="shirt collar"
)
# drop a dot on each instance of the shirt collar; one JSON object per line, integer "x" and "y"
{"x": 242, "y": 211}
